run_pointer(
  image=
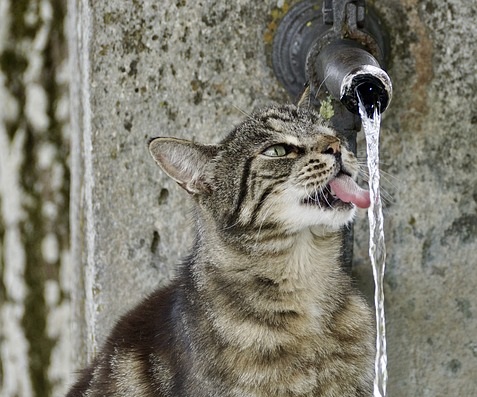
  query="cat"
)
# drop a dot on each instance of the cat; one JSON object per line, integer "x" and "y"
{"x": 261, "y": 307}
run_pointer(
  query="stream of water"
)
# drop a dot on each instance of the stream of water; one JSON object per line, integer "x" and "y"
{"x": 377, "y": 248}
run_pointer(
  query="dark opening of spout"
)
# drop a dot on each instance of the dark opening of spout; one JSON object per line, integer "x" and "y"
{"x": 369, "y": 85}
{"x": 369, "y": 96}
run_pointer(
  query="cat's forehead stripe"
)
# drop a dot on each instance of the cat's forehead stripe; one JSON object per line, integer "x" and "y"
{"x": 291, "y": 140}
{"x": 283, "y": 124}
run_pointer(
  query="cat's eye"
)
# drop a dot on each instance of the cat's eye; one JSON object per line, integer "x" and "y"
{"x": 279, "y": 150}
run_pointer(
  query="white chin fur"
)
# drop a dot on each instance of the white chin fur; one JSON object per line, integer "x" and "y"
{"x": 288, "y": 210}
{"x": 299, "y": 217}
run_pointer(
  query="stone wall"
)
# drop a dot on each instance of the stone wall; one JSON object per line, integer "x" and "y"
{"x": 192, "y": 69}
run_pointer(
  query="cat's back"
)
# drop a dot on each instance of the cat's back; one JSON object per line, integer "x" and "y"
{"x": 142, "y": 354}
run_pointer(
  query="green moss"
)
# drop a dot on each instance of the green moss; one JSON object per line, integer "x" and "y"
{"x": 326, "y": 108}
{"x": 35, "y": 182}
{"x": 13, "y": 66}
{"x": 133, "y": 41}
{"x": 275, "y": 17}
{"x": 18, "y": 10}
{"x": 273, "y": 21}
{"x": 111, "y": 18}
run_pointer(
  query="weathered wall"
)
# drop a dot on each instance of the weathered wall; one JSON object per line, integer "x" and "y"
{"x": 185, "y": 68}
{"x": 189, "y": 69}
{"x": 429, "y": 148}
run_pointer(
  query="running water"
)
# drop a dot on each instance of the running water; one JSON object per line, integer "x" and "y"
{"x": 377, "y": 251}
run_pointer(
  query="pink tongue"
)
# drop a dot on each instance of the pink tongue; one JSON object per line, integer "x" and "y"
{"x": 348, "y": 191}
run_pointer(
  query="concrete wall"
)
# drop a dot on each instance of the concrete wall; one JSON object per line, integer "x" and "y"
{"x": 189, "y": 69}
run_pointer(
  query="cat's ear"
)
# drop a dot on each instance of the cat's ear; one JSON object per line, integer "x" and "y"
{"x": 304, "y": 97}
{"x": 184, "y": 161}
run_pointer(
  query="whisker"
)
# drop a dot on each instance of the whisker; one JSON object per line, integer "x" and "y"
{"x": 309, "y": 195}
{"x": 386, "y": 197}
{"x": 363, "y": 169}
{"x": 322, "y": 190}
{"x": 246, "y": 114}
{"x": 386, "y": 180}
{"x": 364, "y": 157}
{"x": 322, "y": 83}
{"x": 232, "y": 225}
{"x": 317, "y": 191}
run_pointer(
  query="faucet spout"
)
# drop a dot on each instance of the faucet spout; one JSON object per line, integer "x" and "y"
{"x": 369, "y": 85}
{"x": 336, "y": 45}
{"x": 350, "y": 73}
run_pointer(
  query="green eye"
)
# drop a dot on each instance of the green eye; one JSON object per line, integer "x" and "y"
{"x": 276, "y": 151}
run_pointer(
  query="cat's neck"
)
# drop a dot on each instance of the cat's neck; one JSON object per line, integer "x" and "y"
{"x": 305, "y": 262}
{"x": 274, "y": 297}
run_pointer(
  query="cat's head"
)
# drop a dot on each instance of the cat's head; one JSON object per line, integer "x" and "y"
{"x": 282, "y": 167}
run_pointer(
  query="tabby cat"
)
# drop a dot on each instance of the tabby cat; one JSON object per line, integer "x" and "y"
{"x": 261, "y": 306}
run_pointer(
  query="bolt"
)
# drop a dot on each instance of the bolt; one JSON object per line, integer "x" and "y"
{"x": 328, "y": 17}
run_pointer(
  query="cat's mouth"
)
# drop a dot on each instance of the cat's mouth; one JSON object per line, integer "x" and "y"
{"x": 325, "y": 198}
{"x": 340, "y": 193}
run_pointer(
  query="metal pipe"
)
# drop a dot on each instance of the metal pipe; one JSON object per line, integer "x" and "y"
{"x": 345, "y": 68}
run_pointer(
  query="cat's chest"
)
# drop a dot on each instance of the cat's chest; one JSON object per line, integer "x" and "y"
{"x": 270, "y": 332}
{"x": 262, "y": 360}
{"x": 293, "y": 371}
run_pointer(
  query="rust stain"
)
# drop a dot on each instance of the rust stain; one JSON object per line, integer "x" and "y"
{"x": 422, "y": 51}
{"x": 276, "y": 15}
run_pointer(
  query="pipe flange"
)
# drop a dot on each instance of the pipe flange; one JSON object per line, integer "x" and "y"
{"x": 295, "y": 35}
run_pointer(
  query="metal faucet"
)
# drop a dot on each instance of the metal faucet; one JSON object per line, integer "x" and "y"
{"x": 348, "y": 58}
{"x": 336, "y": 49}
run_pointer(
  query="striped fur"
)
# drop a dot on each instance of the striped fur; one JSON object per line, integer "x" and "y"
{"x": 261, "y": 307}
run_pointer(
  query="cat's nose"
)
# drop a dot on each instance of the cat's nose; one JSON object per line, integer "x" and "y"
{"x": 333, "y": 148}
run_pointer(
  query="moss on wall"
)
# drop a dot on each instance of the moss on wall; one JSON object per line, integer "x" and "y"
{"x": 31, "y": 73}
